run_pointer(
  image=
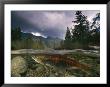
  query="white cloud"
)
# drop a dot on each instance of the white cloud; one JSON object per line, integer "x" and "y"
{"x": 38, "y": 34}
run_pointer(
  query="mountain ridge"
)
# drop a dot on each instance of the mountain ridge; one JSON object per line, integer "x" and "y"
{"x": 49, "y": 42}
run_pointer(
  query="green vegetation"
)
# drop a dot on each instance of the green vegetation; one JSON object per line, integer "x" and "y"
{"x": 80, "y": 36}
{"x": 20, "y": 42}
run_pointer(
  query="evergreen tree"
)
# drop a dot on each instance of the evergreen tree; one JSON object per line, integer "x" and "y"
{"x": 68, "y": 35}
{"x": 95, "y": 33}
{"x": 80, "y": 31}
{"x": 67, "y": 42}
{"x": 96, "y": 22}
{"x": 16, "y": 33}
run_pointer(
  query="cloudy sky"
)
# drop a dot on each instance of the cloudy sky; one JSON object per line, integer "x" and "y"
{"x": 46, "y": 23}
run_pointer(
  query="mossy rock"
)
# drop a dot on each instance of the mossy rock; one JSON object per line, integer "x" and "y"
{"x": 18, "y": 66}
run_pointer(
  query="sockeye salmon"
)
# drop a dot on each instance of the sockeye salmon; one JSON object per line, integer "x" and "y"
{"x": 60, "y": 61}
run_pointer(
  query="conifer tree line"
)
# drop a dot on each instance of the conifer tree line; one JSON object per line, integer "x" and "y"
{"x": 20, "y": 42}
{"x": 84, "y": 33}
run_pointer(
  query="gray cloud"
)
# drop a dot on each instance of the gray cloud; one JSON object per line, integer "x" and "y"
{"x": 47, "y": 23}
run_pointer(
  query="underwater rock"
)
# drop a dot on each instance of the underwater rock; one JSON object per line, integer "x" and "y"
{"x": 18, "y": 66}
{"x": 40, "y": 68}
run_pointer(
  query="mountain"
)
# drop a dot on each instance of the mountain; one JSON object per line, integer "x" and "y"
{"x": 49, "y": 42}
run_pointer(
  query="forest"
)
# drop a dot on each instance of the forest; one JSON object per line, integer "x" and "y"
{"x": 83, "y": 35}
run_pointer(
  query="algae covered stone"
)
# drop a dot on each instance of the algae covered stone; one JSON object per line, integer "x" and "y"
{"x": 18, "y": 66}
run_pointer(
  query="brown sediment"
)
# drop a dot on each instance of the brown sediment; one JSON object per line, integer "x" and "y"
{"x": 68, "y": 61}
